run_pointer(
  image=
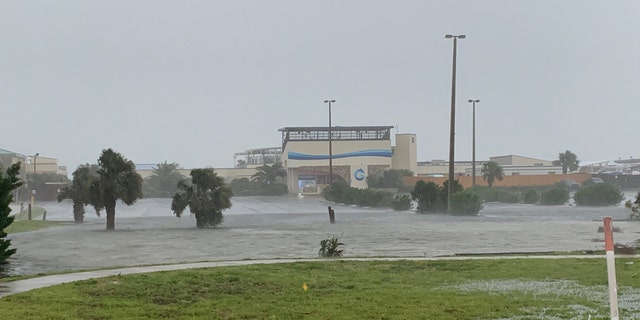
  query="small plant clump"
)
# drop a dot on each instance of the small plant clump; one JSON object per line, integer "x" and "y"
{"x": 600, "y": 194}
{"x": 343, "y": 193}
{"x": 401, "y": 202}
{"x": 531, "y": 197}
{"x": 555, "y": 196}
{"x": 633, "y": 207}
{"x": 432, "y": 198}
{"x": 330, "y": 248}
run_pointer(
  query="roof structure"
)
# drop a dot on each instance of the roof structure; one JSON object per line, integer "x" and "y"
{"x": 5, "y": 152}
{"x": 336, "y": 128}
{"x": 351, "y": 133}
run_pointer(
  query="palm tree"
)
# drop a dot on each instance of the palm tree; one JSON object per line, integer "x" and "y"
{"x": 568, "y": 160}
{"x": 492, "y": 171}
{"x": 206, "y": 196}
{"x": 80, "y": 190}
{"x": 164, "y": 181}
{"x": 118, "y": 180}
{"x": 268, "y": 174}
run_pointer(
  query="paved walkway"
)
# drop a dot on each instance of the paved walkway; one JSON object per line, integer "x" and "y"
{"x": 19, "y": 286}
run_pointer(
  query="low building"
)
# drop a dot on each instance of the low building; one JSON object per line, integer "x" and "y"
{"x": 31, "y": 164}
{"x": 349, "y": 154}
{"x": 7, "y": 158}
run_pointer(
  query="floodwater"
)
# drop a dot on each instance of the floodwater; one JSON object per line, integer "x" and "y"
{"x": 292, "y": 227}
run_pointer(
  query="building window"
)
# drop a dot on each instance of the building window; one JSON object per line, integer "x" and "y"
{"x": 515, "y": 173}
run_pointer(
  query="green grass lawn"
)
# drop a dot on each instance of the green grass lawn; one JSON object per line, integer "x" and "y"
{"x": 36, "y": 214}
{"x": 452, "y": 289}
{"x": 22, "y": 224}
{"x": 30, "y": 225}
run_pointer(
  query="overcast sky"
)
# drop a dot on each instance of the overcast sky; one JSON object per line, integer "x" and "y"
{"x": 193, "y": 82}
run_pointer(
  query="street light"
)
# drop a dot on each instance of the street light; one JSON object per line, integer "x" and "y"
{"x": 330, "y": 151}
{"x": 453, "y": 117}
{"x": 33, "y": 192}
{"x": 35, "y": 157}
{"x": 473, "y": 156}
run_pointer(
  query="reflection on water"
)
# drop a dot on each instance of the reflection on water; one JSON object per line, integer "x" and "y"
{"x": 292, "y": 227}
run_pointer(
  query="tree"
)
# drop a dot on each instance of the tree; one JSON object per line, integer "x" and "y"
{"x": 8, "y": 183}
{"x": 80, "y": 190}
{"x": 267, "y": 177}
{"x": 118, "y": 180}
{"x": 492, "y": 171}
{"x": 206, "y": 196}
{"x": 269, "y": 174}
{"x": 164, "y": 181}
{"x": 568, "y": 160}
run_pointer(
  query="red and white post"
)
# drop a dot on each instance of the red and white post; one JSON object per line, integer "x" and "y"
{"x": 611, "y": 268}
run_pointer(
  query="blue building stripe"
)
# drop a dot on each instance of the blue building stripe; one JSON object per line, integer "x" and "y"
{"x": 362, "y": 153}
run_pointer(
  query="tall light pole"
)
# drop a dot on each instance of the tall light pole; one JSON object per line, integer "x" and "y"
{"x": 330, "y": 150}
{"x": 452, "y": 129}
{"x": 473, "y": 152}
{"x": 35, "y": 161}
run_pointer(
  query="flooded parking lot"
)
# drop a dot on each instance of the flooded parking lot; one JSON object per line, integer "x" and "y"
{"x": 291, "y": 227}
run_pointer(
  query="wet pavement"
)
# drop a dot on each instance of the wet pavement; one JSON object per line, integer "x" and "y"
{"x": 262, "y": 228}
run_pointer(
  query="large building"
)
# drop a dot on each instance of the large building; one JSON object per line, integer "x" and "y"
{"x": 31, "y": 164}
{"x": 355, "y": 153}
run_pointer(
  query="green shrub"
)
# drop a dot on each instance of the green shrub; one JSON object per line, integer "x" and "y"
{"x": 401, "y": 203}
{"x": 274, "y": 189}
{"x": 385, "y": 200}
{"x": 555, "y": 196}
{"x": 331, "y": 247}
{"x": 466, "y": 202}
{"x": 432, "y": 198}
{"x": 486, "y": 194}
{"x": 634, "y": 207}
{"x": 427, "y": 196}
{"x": 244, "y": 187}
{"x": 343, "y": 193}
{"x": 531, "y": 197}
{"x": 601, "y": 194}
{"x": 336, "y": 192}
{"x": 508, "y": 196}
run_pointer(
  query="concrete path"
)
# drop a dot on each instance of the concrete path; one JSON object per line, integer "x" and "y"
{"x": 19, "y": 286}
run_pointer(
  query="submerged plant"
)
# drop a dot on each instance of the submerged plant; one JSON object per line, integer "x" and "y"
{"x": 331, "y": 247}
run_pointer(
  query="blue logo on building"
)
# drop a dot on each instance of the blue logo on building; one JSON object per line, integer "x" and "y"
{"x": 359, "y": 174}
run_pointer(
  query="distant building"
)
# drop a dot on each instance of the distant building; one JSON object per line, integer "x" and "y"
{"x": 31, "y": 164}
{"x": 620, "y": 166}
{"x": 253, "y": 158}
{"x": 511, "y": 165}
{"x": 356, "y": 152}
{"x": 7, "y": 158}
{"x": 514, "y": 165}
{"x": 146, "y": 170}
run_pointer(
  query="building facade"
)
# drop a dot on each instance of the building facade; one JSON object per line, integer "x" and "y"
{"x": 351, "y": 155}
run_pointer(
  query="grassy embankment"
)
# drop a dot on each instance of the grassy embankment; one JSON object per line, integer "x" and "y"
{"x": 469, "y": 289}
{"x": 22, "y": 224}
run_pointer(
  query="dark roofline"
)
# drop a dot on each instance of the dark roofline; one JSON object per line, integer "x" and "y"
{"x": 287, "y": 129}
